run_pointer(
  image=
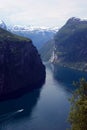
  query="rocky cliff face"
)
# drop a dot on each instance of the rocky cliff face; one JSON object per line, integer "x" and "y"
{"x": 21, "y": 68}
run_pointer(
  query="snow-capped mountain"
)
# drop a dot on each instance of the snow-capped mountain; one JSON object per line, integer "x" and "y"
{"x": 33, "y": 28}
{"x": 39, "y": 35}
{"x": 3, "y": 25}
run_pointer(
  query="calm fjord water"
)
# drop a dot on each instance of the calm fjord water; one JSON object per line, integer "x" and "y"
{"x": 42, "y": 109}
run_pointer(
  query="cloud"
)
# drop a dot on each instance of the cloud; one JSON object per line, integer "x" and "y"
{"x": 42, "y": 11}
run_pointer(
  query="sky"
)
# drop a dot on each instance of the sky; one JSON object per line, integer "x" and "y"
{"x": 49, "y": 13}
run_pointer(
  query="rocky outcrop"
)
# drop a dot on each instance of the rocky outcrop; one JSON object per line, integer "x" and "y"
{"x": 21, "y": 68}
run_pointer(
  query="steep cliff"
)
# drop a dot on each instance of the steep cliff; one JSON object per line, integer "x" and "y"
{"x": 69, "y": 46}
{"x": 21, "y": 68}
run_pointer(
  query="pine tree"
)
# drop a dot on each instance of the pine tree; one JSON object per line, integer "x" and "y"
{"x": 78, "y": 112}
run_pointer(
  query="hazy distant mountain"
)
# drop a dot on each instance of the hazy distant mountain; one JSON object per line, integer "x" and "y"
{"x": 47, "y": 50}
{"x": 69, "y": 46}
{"x": 39, "y": 35}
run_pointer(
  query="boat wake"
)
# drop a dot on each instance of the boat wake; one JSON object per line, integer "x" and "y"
{"x": 9, "y": 115}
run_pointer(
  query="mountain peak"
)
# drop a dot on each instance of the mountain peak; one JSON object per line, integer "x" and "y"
{"x": 73, "y": 20}
{"x": 3, "y": 25}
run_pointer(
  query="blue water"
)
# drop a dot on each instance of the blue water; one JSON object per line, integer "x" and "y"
{"x": 42, "y": 109}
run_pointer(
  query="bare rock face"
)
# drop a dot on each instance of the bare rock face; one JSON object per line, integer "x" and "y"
{"x": 21, "y": 68}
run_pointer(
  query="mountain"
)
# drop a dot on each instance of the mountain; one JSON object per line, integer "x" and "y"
{"x": 46, "y": 50}
{"x": 39, "y": 35}
{"x": 21, "y": 68}
{"x": 70, "y": 45}
{"x": 3, "y": 25}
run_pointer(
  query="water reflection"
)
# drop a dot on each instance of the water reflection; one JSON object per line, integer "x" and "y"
{"x": 19, "y": 108}
{"x": 67, "y": 76}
